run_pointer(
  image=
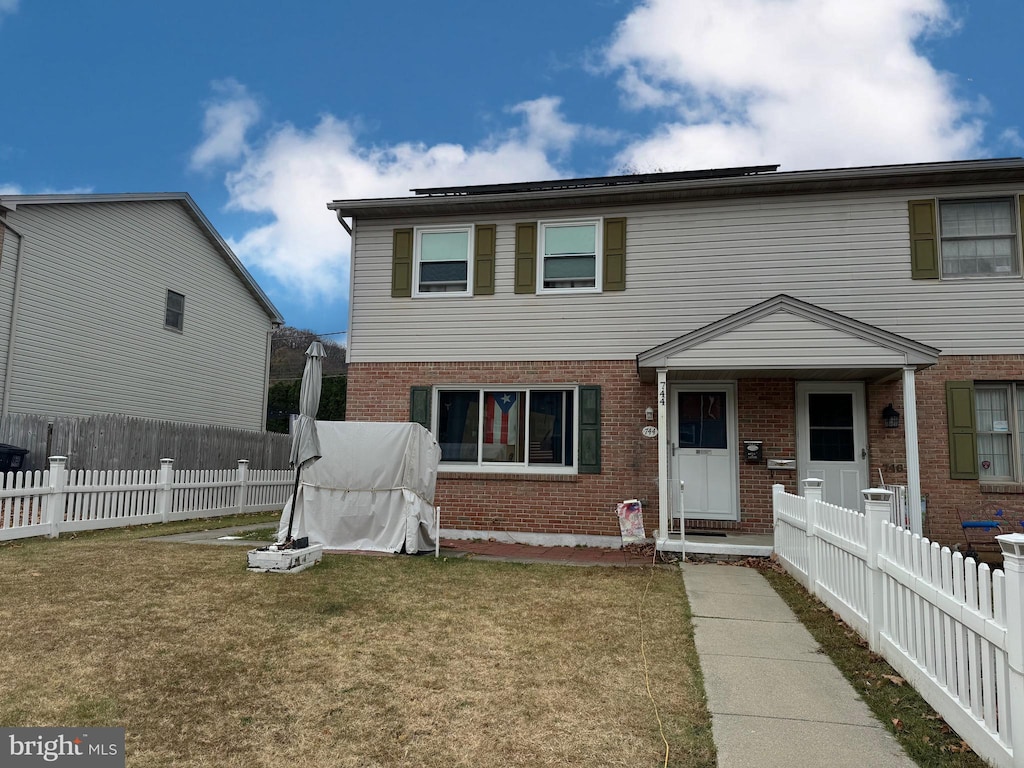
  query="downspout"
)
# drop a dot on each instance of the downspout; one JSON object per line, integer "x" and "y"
{"x": 351, "y": 283}
{"x": 341, "y": 220}
{"x": 15, "y": 304}
{"x": 266, "y": 379}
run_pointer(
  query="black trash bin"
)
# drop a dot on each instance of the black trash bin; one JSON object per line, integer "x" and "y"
{"x": 12, "y": 458}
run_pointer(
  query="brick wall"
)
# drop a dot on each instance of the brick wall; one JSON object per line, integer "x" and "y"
{"x": 944, "y": 495}
{"x": 577, "y": 504}
{"x": 767, "y": 411}
{"x": 583, "y": 504}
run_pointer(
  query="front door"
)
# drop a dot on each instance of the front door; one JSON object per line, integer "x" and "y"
{"x": 832, "y": 439}
{"x": 704, "y": 450}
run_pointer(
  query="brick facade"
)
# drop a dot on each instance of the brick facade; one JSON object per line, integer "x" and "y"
{"x": 574, "y": 504}
{"x": 584, "y": 504}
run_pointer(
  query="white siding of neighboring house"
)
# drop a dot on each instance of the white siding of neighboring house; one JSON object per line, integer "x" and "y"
{"x": 90, "y": 330}
{"x": 8, "y": 264}
{"x": 688, "y": 265}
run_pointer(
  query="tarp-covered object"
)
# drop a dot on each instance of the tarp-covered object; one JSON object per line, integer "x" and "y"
{"x": 371, "y": 489}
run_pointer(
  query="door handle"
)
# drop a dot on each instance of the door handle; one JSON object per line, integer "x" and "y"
{"x": 863, "y": 453}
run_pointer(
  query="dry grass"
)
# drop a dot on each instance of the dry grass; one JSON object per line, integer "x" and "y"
{"x": 361, "y": 661}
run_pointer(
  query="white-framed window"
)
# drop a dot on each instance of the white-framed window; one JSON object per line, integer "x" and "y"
{"x": 570, "y": 256}
{"x": 512, "y": 428}
{"x": 999, "y": 410}
{"x": 442, "y": 261}
{"x": 979, "y": 238}
{"x": 174, "y": 311}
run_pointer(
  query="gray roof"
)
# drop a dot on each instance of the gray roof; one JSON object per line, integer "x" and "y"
{"x": 678, "y": 186}
{"x": 11, "y": 203}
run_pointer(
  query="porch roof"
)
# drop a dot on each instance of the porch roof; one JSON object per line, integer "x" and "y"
{"x": 787, "y": 337}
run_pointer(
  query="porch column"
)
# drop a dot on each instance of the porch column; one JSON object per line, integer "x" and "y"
{"x": 663, "y": 494}
{"x": 913, "y": 458}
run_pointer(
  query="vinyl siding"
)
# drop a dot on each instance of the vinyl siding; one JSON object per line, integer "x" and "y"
{"x": 795, "y": 343}
{"x": 8, "y": 264}
{"x": 90, "y": 331}
{"x": 688, "y": 265}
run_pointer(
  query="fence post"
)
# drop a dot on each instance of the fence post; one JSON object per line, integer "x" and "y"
{"x": 56, "y": 500}
{"x": 165, "y": 492}
{"x": 1012, "y": 545}
{"x": 877, "y": 510}
{"x": 242, "y": 495}
{"x": 813, "y": 492}
{"x": 777, "y": 489}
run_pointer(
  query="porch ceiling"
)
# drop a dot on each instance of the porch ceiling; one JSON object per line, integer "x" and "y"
{"x": 784, "y": 337}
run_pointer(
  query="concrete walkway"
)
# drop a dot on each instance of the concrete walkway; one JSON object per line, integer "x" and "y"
{"x": 775, "y": 699}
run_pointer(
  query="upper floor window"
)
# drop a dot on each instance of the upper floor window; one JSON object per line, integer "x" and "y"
{"x": 570, "y": 256}
{"x": 979, "y": 237}
{"x": 442, "y": 260}
{"x": 174, "y": 311}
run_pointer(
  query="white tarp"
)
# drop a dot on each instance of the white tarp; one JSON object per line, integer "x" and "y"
{"x": 372, "y": 488}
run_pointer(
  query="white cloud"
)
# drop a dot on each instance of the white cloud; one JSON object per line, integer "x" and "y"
{"x": 229, "y": 116}
{"x": 15, "y": 189}
{"x": 8, "y": 7}
{"x": 289, "y": 175}
{"x": 805, "y": 83}
{"x": 1011, "y": 138}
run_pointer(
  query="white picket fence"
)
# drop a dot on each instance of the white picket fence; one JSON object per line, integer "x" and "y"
{"x": 954, "y": 629}
{"x": 58, "y": 500}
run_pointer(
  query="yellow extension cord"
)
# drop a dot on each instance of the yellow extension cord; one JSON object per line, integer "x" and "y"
{"x": 643, "y": 653}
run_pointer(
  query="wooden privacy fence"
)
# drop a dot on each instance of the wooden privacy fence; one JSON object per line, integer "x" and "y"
{"x": 58, "y": 500}
{"x": 953, "y": 628}
{"x": 116, "y": 441}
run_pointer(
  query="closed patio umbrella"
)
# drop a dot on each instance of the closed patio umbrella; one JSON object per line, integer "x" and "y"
{"x": 305, "y": 443}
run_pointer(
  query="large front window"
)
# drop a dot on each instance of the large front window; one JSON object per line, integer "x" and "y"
{"x": 999, "y": 409}
{"x": 443, "y": 261}
{"x": 979, "y": 237}
{"x": 502, "y": 428}
{"x": 569, "y": 256}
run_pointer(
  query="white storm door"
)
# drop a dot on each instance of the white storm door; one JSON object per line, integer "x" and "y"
{"x": 832, "y": 439}
{"x": 704, "y": 447}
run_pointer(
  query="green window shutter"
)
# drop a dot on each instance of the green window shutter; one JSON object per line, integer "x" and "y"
{"x": 483, "y": 260}
{"x": 614, "y": 255}
{"x": 401, "y": 264}
{"x": 419, "y": 406}
{"x": 526, "y": 257}
{"x": 924, "y": 241}
{"x": 963, "y": 435}
{"x": 590, "y": 431}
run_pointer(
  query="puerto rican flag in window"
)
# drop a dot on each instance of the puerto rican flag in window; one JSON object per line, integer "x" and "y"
{"x": 501, "y": 418}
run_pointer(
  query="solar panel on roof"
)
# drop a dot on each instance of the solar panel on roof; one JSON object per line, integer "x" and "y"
{"x": 597, "y": 181}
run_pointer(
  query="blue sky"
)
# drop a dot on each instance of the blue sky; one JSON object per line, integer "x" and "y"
{"x": 265, "y": 111}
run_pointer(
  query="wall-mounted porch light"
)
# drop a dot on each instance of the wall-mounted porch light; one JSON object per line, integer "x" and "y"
{"x": 890, "y": 417}
{"x": 649, "y": 413}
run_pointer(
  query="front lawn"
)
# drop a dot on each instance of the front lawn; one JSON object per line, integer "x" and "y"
{"x": 360, "y": 661}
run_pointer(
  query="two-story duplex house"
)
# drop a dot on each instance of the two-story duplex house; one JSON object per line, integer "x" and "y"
{"x": 578, "y": 342}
